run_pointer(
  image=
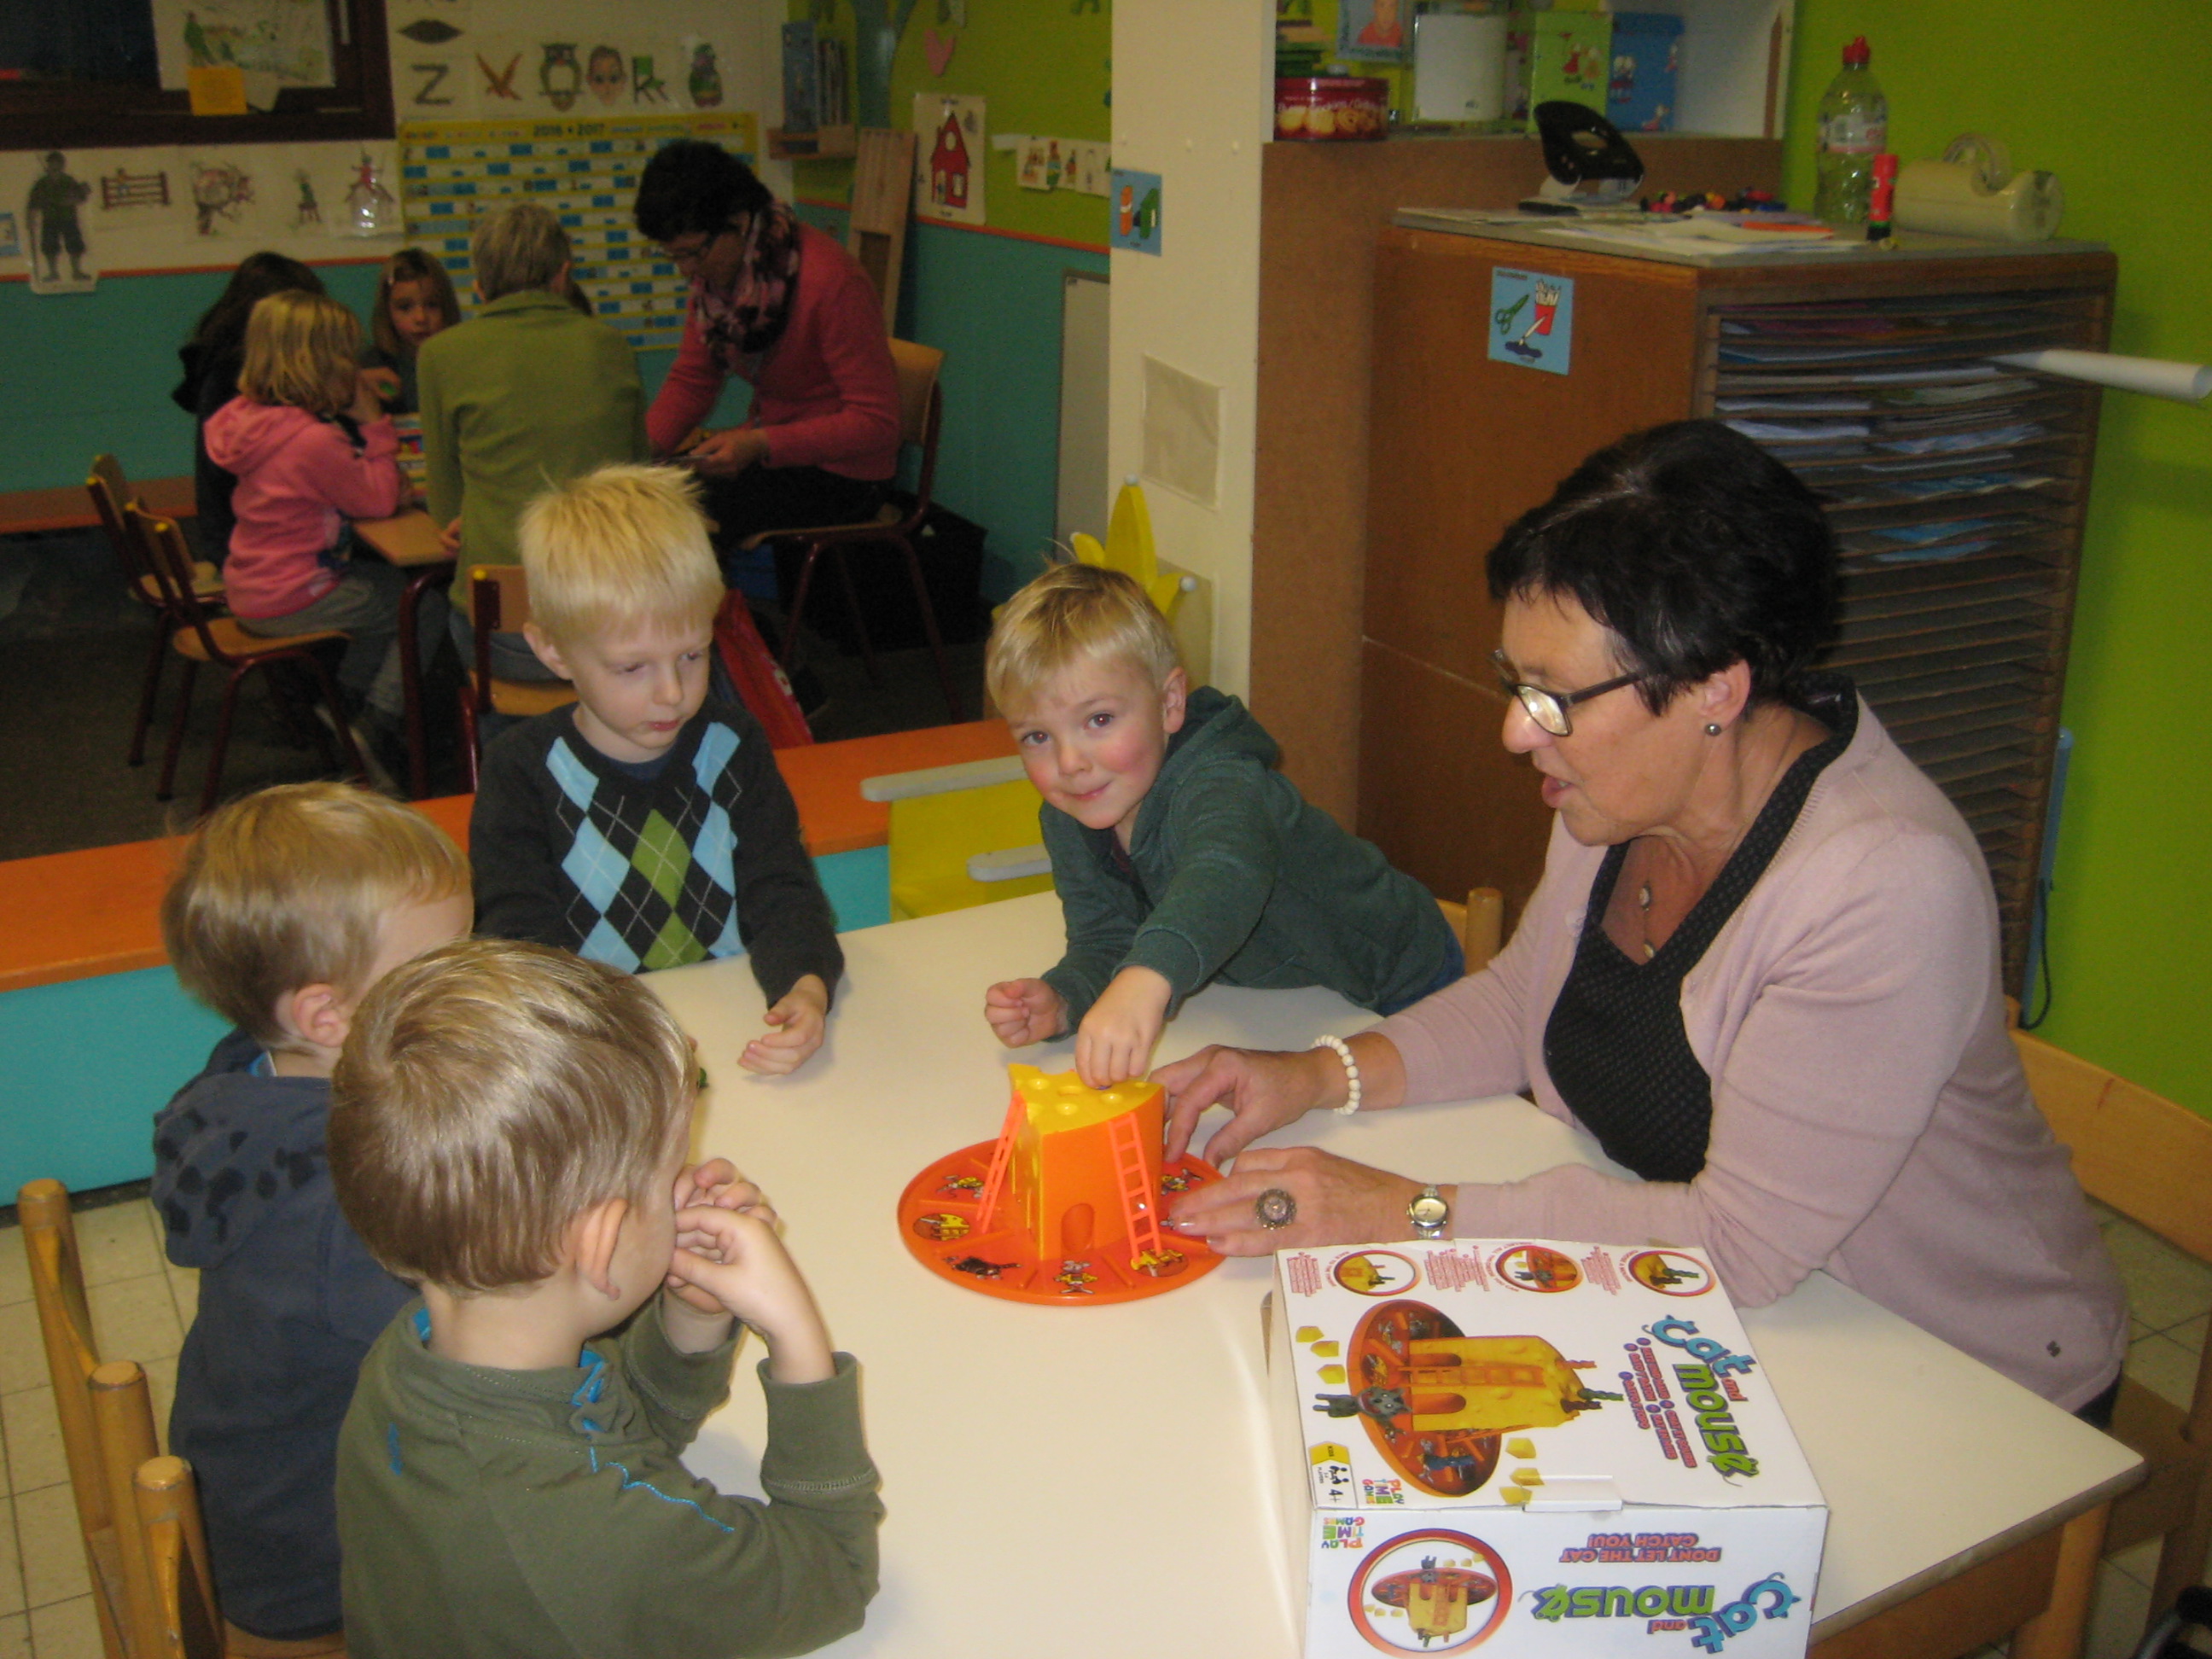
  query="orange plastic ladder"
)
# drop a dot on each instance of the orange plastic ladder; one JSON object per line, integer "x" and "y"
{"x": 1138, "y": 1211}
{"x": 1001, "y": 1155}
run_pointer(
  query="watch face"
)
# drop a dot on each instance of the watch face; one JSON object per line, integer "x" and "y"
{"x": 1429, "y": 1213}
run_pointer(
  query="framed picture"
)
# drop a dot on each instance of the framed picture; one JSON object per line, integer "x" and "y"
{"x": 1377, "y": 30}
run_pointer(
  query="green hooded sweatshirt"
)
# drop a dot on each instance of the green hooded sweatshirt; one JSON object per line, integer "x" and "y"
{"x": 1231, "y": 875}
{"x": 486, "y": 1512}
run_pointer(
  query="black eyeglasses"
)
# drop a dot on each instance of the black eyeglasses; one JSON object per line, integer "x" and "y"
{"x": 1549, "y": 708}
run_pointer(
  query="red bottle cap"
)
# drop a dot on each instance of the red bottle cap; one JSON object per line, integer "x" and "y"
{"x": 1855, "y": 55}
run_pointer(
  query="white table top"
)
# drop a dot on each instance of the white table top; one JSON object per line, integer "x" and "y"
{"x": 1099, "y": 1479}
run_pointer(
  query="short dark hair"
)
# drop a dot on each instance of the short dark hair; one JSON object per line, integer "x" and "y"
{"x": 220, "y": 330}
{"x": 1695, "y": 548}
{"x": 692, "y": 186}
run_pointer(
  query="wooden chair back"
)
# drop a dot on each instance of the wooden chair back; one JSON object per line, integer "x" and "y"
{"x": 169, "y": 560}
{"x": 185, "y": 1625}
{"x": 106, "y": 1417}
{"x": 883, "y": 188}
{"x": 499, "y": 602}
{"x": 919, "y": 367}
{"x": 111, "y": 493}
{"x": 1479, "y": 924}
{"x": 2151, "y": 1160}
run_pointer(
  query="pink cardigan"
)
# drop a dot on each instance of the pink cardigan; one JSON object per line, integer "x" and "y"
{"x": 827, "y": 393}
{"x": 1869, "y": 1114}
{"x": 299, "y": 479}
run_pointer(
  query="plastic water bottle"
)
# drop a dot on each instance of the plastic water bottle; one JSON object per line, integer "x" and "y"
{"x": 1854, "y": 129}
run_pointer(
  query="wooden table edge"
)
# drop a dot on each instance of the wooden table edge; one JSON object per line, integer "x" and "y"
{"x": 1988, "y": 1550}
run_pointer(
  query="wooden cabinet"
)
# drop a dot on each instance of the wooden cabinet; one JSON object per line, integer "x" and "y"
{"x": 1957, "y": 490}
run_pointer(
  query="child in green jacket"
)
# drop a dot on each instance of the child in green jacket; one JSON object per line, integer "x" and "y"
{"x": 1180, "y": 855}
{"x": 508, "y": 1126}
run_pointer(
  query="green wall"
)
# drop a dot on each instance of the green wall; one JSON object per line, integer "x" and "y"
{"x": 990, "y": 299}
{"x": 2112, "y": 98}
{"x": 85, "y": 372}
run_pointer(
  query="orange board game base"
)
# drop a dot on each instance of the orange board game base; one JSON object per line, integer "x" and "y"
{"x": 1065, "y": 1206}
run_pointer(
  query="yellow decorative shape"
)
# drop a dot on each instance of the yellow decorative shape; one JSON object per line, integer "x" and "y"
{"x": 1308, "y": 1333}
{"x": 1332, "y": 1374}
{"x": 1328, "y": 1350}
{"x": 1129, "y": 548}
{"x": 1528, "y": 1477}
{"x": 1514, "y": 1494}
{"x": 1520, "y": 1446}
{"x": 1328, "y": 1451}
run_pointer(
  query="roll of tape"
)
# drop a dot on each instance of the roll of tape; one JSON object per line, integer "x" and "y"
{"x": 1947, "y": 197}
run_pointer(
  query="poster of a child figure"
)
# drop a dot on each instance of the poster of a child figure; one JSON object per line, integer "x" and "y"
{"x": 54, "y": 230}
{"x": 1377, "y": 30}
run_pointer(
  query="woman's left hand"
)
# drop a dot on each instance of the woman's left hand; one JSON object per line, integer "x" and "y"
{"x": 1332, "y": 1201}
{"x": 726, "y": 454}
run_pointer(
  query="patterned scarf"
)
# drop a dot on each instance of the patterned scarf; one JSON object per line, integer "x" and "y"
{"x": 743, "y": 323}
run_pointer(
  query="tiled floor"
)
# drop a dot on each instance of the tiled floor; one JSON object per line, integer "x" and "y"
{"x": 141, "y": 1306}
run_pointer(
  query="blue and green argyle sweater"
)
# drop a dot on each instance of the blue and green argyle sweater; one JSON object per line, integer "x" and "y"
{"x": 702, "y": 860}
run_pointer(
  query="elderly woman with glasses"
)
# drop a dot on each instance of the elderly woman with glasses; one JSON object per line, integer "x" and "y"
{"x": 785, "y": 309}
{"x": 1761, "y": 968}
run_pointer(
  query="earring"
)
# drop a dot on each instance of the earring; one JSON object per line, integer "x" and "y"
{"x": 1712, "y": 728}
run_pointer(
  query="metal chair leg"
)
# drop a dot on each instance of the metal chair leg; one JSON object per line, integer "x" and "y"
{"x": 222, "y": 738}
{"x": 148, "y": 690}
{"x": 853, "y": 607}
{"x": 786, "y": 656}
{"x": 167, "y": 788}
{"x": 929, "y": 627}
{"x": 335, "y": 704}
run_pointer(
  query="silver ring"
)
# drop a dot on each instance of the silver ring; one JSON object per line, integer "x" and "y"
{"x": 1275, "y": 1208}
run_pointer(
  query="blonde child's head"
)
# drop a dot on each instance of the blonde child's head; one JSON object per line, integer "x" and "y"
{"x": 624, "y": 547}
{"x": 303, "y": 350}
{"x": 1075, "y": 614}
{"x": 297, "y": 886}
{"x": 418, "y": 284}
{"x": 490, "y": 1093}
{"x": 518, "y": 248}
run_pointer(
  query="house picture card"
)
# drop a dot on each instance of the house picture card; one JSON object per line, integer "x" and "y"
{"x": 951, "y": 143}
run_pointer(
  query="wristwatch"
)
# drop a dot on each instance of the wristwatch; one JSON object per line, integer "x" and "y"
{"x": 1429, "y": 1213}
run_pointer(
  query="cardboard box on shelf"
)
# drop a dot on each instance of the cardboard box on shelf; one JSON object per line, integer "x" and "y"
{"x": 1540, "y": 1447}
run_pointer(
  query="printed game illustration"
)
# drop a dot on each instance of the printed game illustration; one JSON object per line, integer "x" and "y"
{"x": 1532, "y": 319}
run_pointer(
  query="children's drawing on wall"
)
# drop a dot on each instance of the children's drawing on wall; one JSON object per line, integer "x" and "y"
{"x": 645, "y": 86}
{"x": 307, "y": 212}
{"x": 221, "y": 190}
{"x": 948, "y": 158}
{"x": 53, "y": 228}
{"x": 937, "y": 50}
{"x": 499, "y": 83}
{"x": 560, "y": 77}
{"x": 704, "y": 78}
{"x": 1133, "y": 222}
{"x": 1375, "y": 29}
{"x": 606, "y": 74}
{"x": 429, "y": 31}
{"x": 953, "y": 13}
{"x": 371, "y": 209}
{"x": 288, "y": 40}
{"x": 1093, "y": 170}
{"x": 11, "y": 241}
{"x": 123, "y": 189}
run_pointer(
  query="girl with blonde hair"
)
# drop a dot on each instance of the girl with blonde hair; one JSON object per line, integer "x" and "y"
{"x": 312, "y": 448}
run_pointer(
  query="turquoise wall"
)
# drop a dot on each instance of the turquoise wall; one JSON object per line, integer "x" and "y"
{"x": 992, "y": 305}
{"x": 91, "y": 372}
{"x": 2110, "y": 98}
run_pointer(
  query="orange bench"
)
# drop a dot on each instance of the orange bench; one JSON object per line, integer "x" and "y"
{"x": 68, "y": 508}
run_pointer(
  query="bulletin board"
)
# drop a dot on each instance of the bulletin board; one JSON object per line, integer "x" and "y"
{"x": 585, "y": 170}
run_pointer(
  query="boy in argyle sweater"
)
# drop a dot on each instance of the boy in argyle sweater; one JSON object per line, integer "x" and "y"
{"x": 645, "y": 825}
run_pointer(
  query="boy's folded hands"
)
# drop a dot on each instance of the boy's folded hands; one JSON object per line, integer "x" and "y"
{"x": 729, "y": 1260}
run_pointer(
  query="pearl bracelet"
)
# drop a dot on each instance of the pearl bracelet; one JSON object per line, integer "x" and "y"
{"x": 1352, "y": 1071}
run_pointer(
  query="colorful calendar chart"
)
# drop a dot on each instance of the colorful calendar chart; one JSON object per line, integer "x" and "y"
{"x": 587, "y": 171}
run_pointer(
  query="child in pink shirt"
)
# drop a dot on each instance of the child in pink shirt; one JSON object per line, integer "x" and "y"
{"x": 309, "y": 443}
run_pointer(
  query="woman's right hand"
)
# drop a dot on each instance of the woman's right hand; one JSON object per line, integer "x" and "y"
{"x": 727, "y": 452}
{"x": 1263, "y": 1091}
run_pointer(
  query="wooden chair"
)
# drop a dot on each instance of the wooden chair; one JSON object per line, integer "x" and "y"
{"x": 2151, "y": 1160}
{"x": 199, "y": 638}
{"x": 182, "y": 1622}
{"x": 875, "y": 229}
{"x": 921, "y": 413}
{"x": 111, "y": 493}
{"x": 1480, "y": 923}
{"x": 107, "y": 1421}
{"x": 499, "y": 601}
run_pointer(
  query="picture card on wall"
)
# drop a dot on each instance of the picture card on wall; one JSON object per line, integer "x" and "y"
{"x": 1134, "y": 223}
{"x": 952, "y": 146}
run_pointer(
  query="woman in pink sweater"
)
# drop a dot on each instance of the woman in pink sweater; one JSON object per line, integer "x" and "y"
{"x": 312, "y": 448}
{"x": 783, "y": 307}
{"x": 1761, "y": 968}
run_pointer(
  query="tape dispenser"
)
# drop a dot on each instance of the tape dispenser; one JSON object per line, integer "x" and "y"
{"x": 1973, "y": 191}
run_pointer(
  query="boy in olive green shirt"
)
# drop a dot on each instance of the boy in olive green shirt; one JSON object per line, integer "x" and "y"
{"x": 508, "y": 1126}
